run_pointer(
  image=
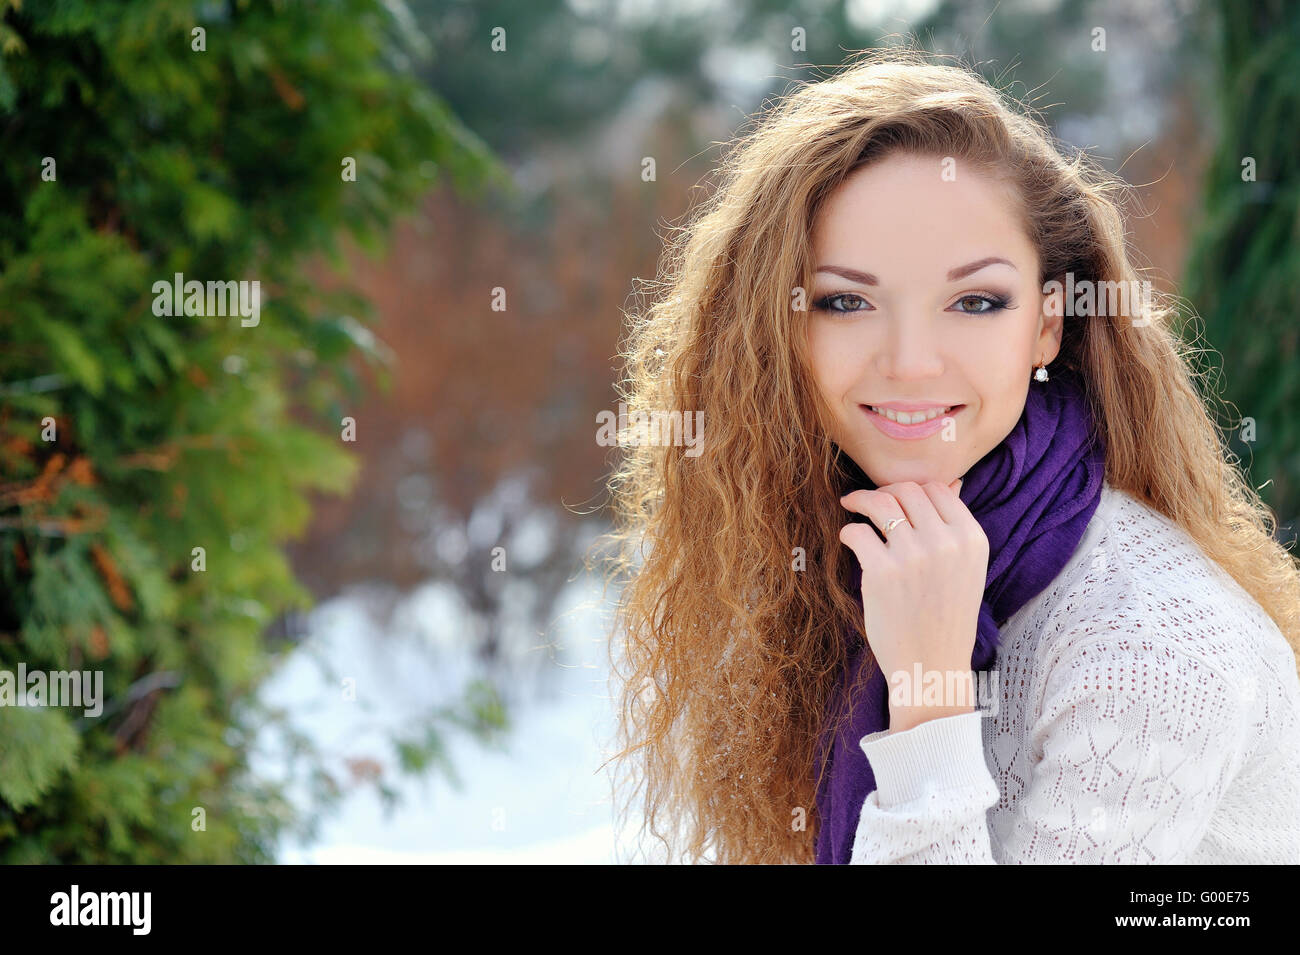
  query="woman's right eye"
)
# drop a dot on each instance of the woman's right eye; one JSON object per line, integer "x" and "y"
{"x": 847, "y": 302}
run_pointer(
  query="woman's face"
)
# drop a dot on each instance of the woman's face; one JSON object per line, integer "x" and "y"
{"x": 910, "y": 311}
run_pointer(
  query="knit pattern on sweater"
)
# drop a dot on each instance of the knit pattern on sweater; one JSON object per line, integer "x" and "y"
{"x": 1148, "y": 712}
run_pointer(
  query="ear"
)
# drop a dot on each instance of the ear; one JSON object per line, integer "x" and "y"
{"x": 1050, "y": 322}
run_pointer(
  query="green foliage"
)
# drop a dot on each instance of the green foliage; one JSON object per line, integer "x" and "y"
{"x": 1243, "y": 273}
{"x": 178, "y": 432}
{"x": 39, "y": 743}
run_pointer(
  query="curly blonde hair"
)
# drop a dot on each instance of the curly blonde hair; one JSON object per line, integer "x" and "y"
{"x": 734, "y": 617}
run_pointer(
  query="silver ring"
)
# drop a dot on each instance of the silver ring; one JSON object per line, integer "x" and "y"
{"x": 892, "y": 524}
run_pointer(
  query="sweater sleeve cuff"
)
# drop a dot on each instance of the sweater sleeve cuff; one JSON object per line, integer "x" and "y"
{"x": 945, "y": 753}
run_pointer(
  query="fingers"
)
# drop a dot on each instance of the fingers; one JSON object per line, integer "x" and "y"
{"x": 956, "y": 514}
{"x": 864, "y": 543}
{"x": 923, "y": 509}
{"x": 877, "y": 505}
{"x": 881, "y": 509}
{"x": 946, "y": 503}
{"x": 929, "y": 507}
{"x": 916, "y": 504}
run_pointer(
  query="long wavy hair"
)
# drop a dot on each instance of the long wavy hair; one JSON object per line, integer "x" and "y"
{"x": 734, "y": 618}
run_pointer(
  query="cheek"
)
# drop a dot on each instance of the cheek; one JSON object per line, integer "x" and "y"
{"x": 1004, "y": 384}
{"x": 997, "y": 368}
{"x": 831, "y": 364}
{"x": 998, "y": 359}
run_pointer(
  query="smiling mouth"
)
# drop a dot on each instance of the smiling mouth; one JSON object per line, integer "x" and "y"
{"x": 912, "y": 417}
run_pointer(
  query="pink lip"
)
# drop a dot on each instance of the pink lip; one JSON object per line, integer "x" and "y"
{"x": 911, "y": 432}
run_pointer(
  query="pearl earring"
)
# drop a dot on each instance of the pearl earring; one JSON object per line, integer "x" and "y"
{"x": 1041, "y": 373}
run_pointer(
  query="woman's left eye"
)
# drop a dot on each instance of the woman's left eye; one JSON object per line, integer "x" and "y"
{"x": 982, "y": 304}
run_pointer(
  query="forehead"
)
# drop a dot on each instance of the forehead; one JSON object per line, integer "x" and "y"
{"x": 906, "y": 211}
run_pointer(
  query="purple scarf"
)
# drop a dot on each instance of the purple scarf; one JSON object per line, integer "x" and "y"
{"x": 1033, "y": 495}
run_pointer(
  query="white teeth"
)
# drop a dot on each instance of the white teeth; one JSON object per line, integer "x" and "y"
{"x": 912, "y": 417}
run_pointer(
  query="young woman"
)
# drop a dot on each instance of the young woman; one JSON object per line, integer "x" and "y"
{"x": 942, "y": 453}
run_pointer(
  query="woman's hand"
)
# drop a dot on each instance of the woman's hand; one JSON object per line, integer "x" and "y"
{"x": 921, "y": 593}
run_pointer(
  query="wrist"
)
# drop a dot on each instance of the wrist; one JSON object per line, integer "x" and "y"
{"x": 903, "y": 718}
{"x": 922, "y": 694}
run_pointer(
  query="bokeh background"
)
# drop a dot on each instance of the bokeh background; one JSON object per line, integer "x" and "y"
{"x": 391, "y": 650}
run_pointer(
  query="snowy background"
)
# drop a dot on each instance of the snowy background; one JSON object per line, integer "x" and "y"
{"x": 540, "y": 796}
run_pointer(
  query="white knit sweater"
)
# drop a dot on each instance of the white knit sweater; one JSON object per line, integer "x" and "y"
{"x": 1148, "y": 711}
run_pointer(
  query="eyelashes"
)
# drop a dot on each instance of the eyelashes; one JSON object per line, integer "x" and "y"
{"x": 990, "y": 302}
{"x": 823, "y": 304}
{"x": 995, "y": 302}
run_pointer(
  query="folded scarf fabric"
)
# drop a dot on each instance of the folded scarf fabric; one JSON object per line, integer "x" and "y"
{"x": 1033, "y": 495}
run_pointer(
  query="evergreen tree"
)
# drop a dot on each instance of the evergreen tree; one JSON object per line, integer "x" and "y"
{"x": 154, "y": 459}
{"x": 1243, "y": 273}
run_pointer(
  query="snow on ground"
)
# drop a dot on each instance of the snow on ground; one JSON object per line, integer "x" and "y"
{"x": 540, "y": 798}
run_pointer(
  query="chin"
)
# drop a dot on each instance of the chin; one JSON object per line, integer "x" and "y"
{"x": 916, "y": 474}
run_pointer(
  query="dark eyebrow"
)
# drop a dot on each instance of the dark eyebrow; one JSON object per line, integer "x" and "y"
{"x": 866, "y": 278}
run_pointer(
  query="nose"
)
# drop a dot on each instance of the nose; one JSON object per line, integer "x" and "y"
{"x": 911, "y": 350}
